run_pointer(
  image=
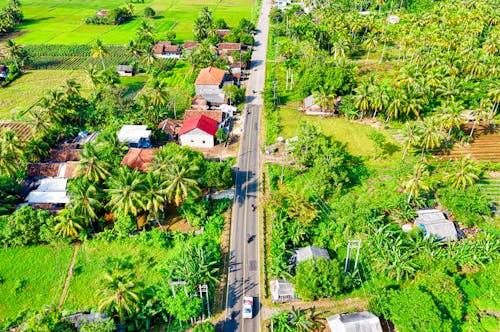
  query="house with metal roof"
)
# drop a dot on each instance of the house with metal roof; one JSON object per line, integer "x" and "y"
{"x": 125, "y": 70}
{"x": 363, "y": 321}
{"x": 310, "y": 252}
{"x": 282, "y": 291}
{"x": 198, "y": 132}
{"x": 49, "y": 195}
{"x": 139, "y": 159}
{"x": 435, "y": 223}
{"x": 136, "y": 136}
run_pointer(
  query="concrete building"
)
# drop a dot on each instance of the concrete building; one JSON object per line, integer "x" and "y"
{"x": 209, "y": 85}
{"x": 282, "y": 291}
{"x": 136, "y": 136}
{"x": 198, "y": 132}
{"x": 363, "y": 321}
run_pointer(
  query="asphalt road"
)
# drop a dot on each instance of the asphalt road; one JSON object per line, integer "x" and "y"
{"x": 243, "y": 275}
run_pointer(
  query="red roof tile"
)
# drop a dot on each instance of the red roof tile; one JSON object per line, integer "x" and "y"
{"x": 210, "y": 76}
{"x": 201, "y": 122}
{"x": 229, "y": 47}
{"x": 166, "y": 47}
{"x": 189, "y": 44}
{"x": 139, "y": 159}
{"x": 212, "y": 114}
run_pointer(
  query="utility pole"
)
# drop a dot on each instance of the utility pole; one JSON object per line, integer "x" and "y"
{"x": 176, "y": 284}
{"x": 204, "y": 290}
{"x": 352, "y": 245}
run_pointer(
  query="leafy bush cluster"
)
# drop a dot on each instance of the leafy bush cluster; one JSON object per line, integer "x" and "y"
{"x": 115, "y": 16}
{"x": 10, "y": 16}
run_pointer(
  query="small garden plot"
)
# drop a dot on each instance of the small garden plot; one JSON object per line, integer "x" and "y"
{"x": 31, "y": 277}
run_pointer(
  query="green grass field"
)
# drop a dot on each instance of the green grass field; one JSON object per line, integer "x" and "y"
{"x": 62, "y": 21}
{"x": 26, "y": 90}
{"x": 31, "y": 277}
{"x": 354, "y": 135}
{"x": 95, "y": 257}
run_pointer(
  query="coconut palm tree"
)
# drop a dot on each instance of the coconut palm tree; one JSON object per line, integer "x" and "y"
{"x": 362, "y": 98}
{"x": 92, "y": 168}
{"x": 84, "y": 199}
{"x": 431, "y": 134}
{"x": 480, "y": 113}
{"x": 154, "y": 194}
{"x": 452, "y": 114}
{"x": 371, "y": 42}
{"x": 411, "y": 136}
{"x": 39, "y": 121}
{"x": 181, "y": 182}
{"x": 16, "y": 53}
{"x": 465, "y": 174}
{"x": 68, "y": 224}
{"x": 93, "y": 76}
{"x": 100, "y": 51}
{"x": 147, "y": 58}
{"x": 10, "y": 151}
{"x": 119, "y": 295}
{"x": 416, "y": 182}
{"x": 125, "y": 191}
{"x": 157, "y": 91}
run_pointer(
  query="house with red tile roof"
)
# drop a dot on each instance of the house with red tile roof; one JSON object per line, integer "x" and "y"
{"x": 198, "y": 132}
{"x": 209, "y": 85}
{"x": 139, "y": 159}
{"x": 224, "y": 48}
{"x": 165, "y": 49}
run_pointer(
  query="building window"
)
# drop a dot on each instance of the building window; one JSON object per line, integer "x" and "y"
{"x": 203, "y": 142}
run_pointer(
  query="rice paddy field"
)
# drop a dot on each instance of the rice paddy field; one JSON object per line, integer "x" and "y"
{"x": 32, "y": 277}
{"x": 62, "y": 21}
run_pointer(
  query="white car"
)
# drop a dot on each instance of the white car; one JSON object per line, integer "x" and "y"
{"x": 248, "y": 307}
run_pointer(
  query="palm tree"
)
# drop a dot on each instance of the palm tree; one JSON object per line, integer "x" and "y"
{"x": 125, "y": 190}
{"x": 299, "y": 320}
{"x": 431, "y": 134}
{"x": 371, "y": 43}
{"x": 10, "y": 150}
{"x": 480, "y": 113}
{"x": 362, "y": 98}
{"x": 411, "y": 136}
{"x": 39, "y": 120}
{"x": 119, "y": 295}
{"x": 72, "y": 88}
{"x": 68, "y": 224}
{"x": 92, "y": 168}
{"x": 84, "y": 199}
{"x": 157, "y": 91}
{"x": 147, "y": 58}
{"x": 452, "y": 114}
{"x": 93, "y": 76}
{"x": 181, "y": 182}
{"x": 394, "y": 104}
{"x": 416, "y": 181}
{"x": 379, "y": 99}
{"x": 15, "y": 52}
{"x": 154, "y": 194}
{"x": 99, "y": 51}
{"x": 323, "y": 99}
{"x": 465, "y": 174}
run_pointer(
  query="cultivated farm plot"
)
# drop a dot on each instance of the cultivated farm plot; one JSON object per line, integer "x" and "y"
{"x": 62, "y": 21}
{"x": 31, "y": 86}
{"x": 33, "y": 277}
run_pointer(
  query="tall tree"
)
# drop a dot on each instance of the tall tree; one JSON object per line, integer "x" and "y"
{"x": 100, "y": 51}
{"x": 84, "y": 199}
{"x": 125, "y": 190}
{"x": 68, "y": 223}
{"x": 416, "y": 182}
{"x": 465, "y": 174}
{"x": 181, "y": 179}
{"x": 119, "y": 295}
{"x": 92, "y": 168}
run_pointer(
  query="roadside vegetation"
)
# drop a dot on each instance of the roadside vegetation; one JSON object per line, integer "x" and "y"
{"x": 396, "y": 97}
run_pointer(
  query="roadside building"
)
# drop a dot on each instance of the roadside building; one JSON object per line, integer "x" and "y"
{"x": 282, "y": 291}
{"x": 198, "y": 132}
{"x": 363, "y": 321}
{"x": 209, "y": 84}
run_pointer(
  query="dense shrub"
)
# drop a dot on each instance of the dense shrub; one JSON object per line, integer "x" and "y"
{"x": 28, "y": 226}
{"x": 114, "y": 17}
{"x": 318, "y": 278}
{"x": 468, "y": 206}
{"x": 149, "y": 12}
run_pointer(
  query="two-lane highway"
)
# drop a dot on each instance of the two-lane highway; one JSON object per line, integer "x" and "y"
{"x": 243, "y": 275}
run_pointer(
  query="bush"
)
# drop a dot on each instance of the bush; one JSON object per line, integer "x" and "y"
{"x": 124, "y": 225}
{"x": 468, "y": 206}
{"x": 317, "y": 278}
{"x": 105, "y": 325}
{"x": 149, "y": 12}
{"x": 28, "y": 226}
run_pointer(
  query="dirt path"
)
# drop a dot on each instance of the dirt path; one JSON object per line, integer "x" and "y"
{"x": 68, "y": 277}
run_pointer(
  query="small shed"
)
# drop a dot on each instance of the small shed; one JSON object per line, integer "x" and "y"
{"x": 434, "y": 223}
{"x": 308, "y": 104}
{"x": 136, "y": 136}
{"x": 309, "y": 252}
{"x": 171, "y": 128}
{"x": 282, "y": 291}
{"x": 363, "y": 321}
{"x": 125, "y": 70}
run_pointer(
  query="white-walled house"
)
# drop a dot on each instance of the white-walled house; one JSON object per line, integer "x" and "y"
{"x": 198, "y": 132}
{"x": 165, "y": 49}
{"x": 209, "y": 85}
